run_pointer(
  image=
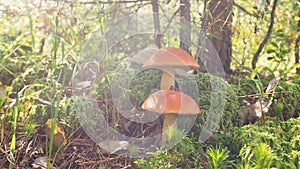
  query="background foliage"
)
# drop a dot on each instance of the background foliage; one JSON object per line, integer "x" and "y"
{"x": 41, "y": 55}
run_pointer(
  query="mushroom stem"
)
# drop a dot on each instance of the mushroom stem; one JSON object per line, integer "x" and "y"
{"x": 167, "y": 80}
{"x": 169, "y": 120}
{"x": 170, "y": 103}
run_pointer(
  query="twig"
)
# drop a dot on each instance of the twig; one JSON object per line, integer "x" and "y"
{"x": 111, "y": 2}
{"x": 256, "y": 95}
{"x": 267, "y": 37}
{"x": 170, "y": 21}
{"x": 296, "y": 48}
{"x": 244, "y": 10}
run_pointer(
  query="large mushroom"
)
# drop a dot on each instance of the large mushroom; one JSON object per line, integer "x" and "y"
{"x": 168, "y": 59}
{"x": 170, "y": 102}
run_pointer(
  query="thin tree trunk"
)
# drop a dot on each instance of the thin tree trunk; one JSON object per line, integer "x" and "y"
{"x": 297, "y": 58}
{"x": 267, "y": 37}
{"x": 217, "y": 25}
{"x": 185, "y": 27}
{"x": 157, "y": 33}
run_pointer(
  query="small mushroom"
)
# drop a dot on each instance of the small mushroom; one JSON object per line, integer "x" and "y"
{"x": 170, "y": 102}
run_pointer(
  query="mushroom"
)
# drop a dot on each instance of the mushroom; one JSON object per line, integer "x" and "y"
{"x": 169, "y": 59}
{"x": 170, "y": 102}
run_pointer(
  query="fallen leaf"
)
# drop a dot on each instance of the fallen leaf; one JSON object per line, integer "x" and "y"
{"x": 41, "y": 163}
{"x": 113, "y": 146}
{"x": 59, "y": 137}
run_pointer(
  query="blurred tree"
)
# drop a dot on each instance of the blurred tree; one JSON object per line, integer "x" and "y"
{"x": 217, "y": 25}
{"x": 297, "y": 38}
{"x": 157, "y": 33}
{"x": 185, "y": 23}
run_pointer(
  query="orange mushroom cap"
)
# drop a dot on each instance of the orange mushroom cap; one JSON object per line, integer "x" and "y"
{"x": 173, "y": 57}
{"x": 171, "y": 102}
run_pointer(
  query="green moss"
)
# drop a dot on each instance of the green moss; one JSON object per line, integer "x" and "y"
{"x": 202, "y": 87}
{"x": 217, "y": 99}
{"x": 289, "y": 95}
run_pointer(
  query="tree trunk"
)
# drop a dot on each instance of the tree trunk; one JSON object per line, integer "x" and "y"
{"x": 185, "y": 28}
{"x": 217, "y": 26}
{"x": 297, "y": 58}
{"x": 157, "y": 33}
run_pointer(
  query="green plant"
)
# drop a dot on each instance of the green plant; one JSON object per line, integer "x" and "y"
{"x": 275, "y": 143}
{"x": 14, "y": 135}
{"x": 16, "y": 112}
{"x": 184, "y": 155}
{"x": 218, "y": 158}
{"x": 258, "y": 156}
{"x": 160, "y": 160}
{"x": 56, "y": 97}
{"x": 287, "y": 94}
